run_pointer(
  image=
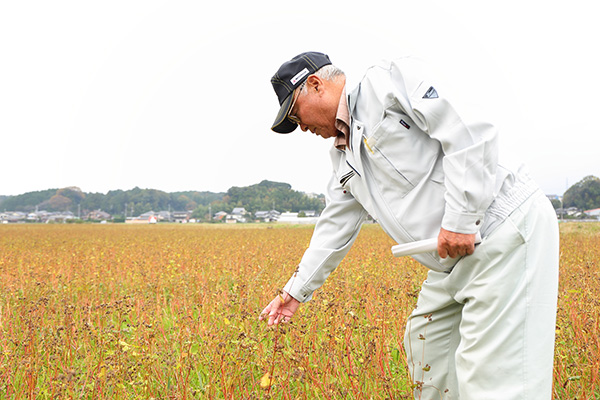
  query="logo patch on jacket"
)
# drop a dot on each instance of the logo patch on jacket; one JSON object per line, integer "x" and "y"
{"x": 431, "y": 93}
{"x": 404, "y": 124}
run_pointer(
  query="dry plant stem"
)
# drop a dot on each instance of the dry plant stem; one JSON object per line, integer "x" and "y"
{"x": 223, "y": 376}
{"x": 352, "y": 373}
{"x": 273, "y": 360}
{"x": 284, "y": 386}
{"x": 382, "y": 362}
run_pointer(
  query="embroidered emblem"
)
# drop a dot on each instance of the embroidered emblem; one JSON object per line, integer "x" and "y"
{"x": 404, "y": 124}
{"x": 431, "y": 93}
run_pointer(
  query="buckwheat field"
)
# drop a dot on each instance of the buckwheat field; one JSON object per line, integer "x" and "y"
{"x": 171, "y": 312}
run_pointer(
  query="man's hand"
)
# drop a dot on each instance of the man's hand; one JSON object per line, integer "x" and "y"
{"x": 455, "y": 244}
{"x": 280, "y": 309}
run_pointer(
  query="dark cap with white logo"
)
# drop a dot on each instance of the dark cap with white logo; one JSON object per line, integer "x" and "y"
{"x": 290, "y": 75}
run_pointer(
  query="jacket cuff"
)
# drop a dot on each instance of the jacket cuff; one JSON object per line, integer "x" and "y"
{"x": 297, "y": 290}
{"x": 466, "y": 223}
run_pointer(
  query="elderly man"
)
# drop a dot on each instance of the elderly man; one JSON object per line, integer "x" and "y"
{"x": 402, "y": 154}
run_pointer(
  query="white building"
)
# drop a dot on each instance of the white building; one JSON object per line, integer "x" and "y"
{"x": 292, "y": 218}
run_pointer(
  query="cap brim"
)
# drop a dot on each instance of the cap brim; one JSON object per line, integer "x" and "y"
{"x": 282, "y": 124}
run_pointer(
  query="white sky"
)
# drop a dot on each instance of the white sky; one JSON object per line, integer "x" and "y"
{"x": 176, "y": 95}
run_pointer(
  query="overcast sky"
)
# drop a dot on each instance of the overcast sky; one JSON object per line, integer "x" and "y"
{"x": 176, "y": 95}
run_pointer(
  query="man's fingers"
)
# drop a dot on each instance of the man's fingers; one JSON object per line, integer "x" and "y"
{"x": 276, "y": 319}
{"x": 442, "y": 252}
{"x": 265, "y": 311}
{"x": 455, "y": 244}
{"x": 263, "y": 315}
{"x": 281, "y": 317}
{"x": 271, "y": 311}
{"x": 280, "y": 309}
{"x": 454, "y": 252}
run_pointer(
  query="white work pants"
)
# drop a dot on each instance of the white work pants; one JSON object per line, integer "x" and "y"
{"x": 485, "y": 331}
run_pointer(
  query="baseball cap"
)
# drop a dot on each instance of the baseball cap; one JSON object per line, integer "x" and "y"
{"x": 288, "y": 77}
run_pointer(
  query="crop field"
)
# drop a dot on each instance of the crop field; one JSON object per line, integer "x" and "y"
{"x": 171, "y": 312}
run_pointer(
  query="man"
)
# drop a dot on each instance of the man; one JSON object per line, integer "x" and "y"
{"x": 403, "y": 155}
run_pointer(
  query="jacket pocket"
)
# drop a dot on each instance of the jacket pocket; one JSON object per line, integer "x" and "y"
{"x": 401, "y": 153}
{"x": 346, "y": 173}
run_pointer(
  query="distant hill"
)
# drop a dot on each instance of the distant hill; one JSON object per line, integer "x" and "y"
{"x": 263, "y": 196}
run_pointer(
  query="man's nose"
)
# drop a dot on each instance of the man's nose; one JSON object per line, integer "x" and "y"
{"x": 304, "y": 127}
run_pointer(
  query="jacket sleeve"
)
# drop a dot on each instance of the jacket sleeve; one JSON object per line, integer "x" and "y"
{"x": 470, "y": 148}
{"x": 335, "y": 232}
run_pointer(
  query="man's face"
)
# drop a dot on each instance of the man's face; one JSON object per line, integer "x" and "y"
{"x": 316, "y": 108}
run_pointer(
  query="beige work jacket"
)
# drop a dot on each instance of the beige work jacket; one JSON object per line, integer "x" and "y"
{"x": 413, "y": 164}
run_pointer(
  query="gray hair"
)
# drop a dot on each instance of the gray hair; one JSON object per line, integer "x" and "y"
{"x": 328, "y": 72}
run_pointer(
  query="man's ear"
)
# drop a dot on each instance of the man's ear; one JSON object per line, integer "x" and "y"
{"x": 315, "y": 83}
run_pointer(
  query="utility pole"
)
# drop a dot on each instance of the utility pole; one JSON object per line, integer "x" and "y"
{"x": 562, "y": 210}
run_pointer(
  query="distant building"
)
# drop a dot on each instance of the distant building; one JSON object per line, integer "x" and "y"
{"x": 267, "y": 216}
{"x": 63, "y": 217}
{"x": 239, "y": 214}
{"x": 164, "y": 216}
{"x": 292, "y": 218}
{"x": 149, "y": 217}
{"x": 99, "y": 215}
{"x": 220, "y": 216}
{"x": 181, "y": 216}
{"x": 12, "y": 217}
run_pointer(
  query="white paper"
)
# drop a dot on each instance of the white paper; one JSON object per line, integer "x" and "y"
{"x": 420, "y": 246}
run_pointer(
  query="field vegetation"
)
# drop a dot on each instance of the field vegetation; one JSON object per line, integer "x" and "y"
{"x": 171, "y": 312}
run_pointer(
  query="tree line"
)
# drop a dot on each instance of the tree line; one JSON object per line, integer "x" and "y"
{"x": 265, "y": 195}
{"x": 584, "y": 195}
